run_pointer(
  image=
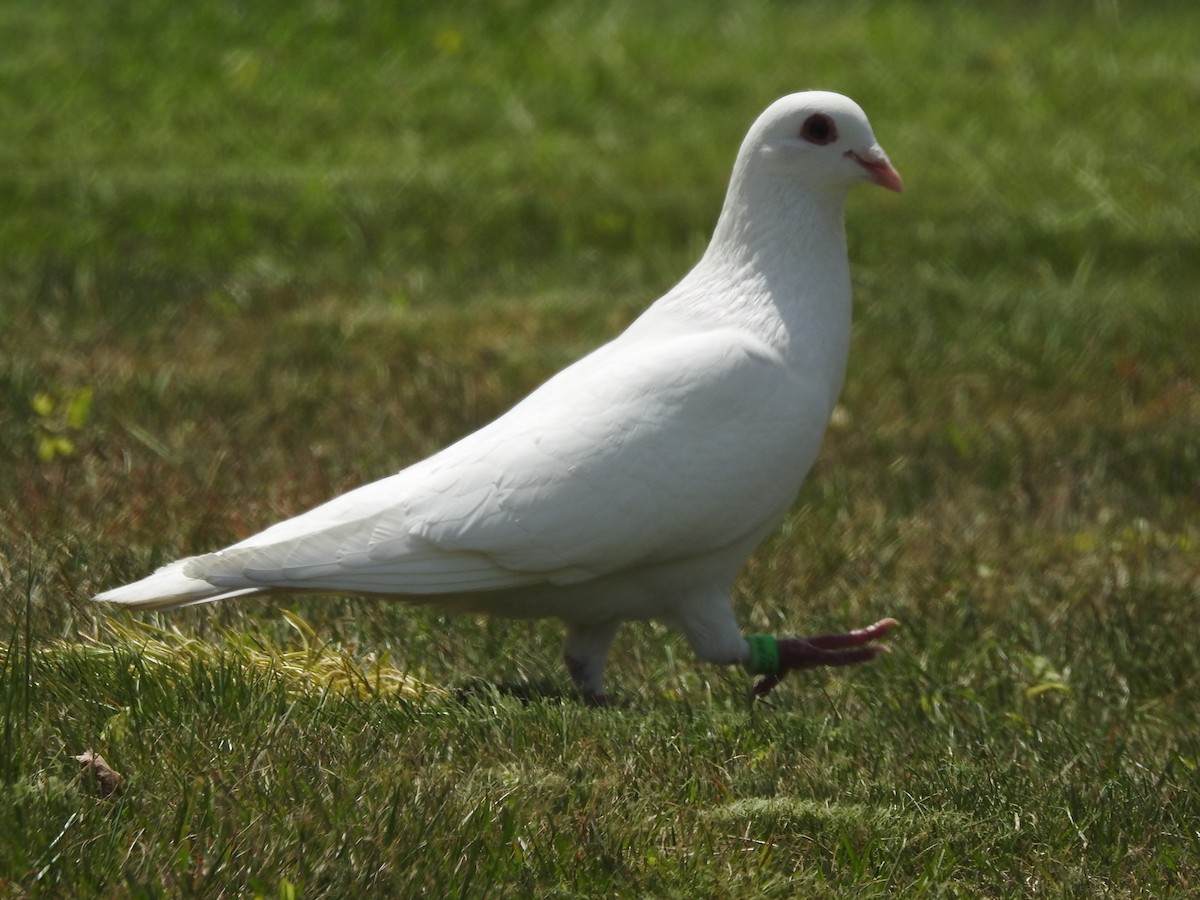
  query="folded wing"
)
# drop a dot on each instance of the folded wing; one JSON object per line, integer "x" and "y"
{"x": 627, "y": 458}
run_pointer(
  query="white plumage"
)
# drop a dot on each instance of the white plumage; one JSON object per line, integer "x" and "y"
{"x": 635, "y": 483}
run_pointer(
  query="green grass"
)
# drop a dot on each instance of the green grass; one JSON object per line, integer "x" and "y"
{"x": 253, "y": 255}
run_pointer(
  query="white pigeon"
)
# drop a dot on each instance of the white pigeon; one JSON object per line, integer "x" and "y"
{"x": 636, "y": 482}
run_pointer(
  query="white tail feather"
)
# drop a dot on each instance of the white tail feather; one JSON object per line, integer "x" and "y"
{"x": 168, "y": 588}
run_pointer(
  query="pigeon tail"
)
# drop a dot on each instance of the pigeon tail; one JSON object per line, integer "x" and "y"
{"x": 169, "y": 588}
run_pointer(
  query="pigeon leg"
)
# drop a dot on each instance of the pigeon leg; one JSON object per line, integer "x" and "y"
{"x": 836, "y": 649}
{"x": 585, "y": 652}
{"x": 709, "y": 625}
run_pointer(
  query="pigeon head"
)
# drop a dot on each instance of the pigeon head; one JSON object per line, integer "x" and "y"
{"x": 821, "y": 138}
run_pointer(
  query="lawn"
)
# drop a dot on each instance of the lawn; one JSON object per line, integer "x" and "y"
{"x": 253, "y": 255}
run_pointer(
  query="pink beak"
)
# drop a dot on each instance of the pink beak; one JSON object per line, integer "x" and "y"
{"x": 879, "y": 168}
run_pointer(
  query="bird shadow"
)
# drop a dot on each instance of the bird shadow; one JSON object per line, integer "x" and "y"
{"x": 480, "y": 690}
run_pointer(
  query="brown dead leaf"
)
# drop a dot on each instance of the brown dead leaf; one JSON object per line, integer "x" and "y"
{"x": 109, "y": 781}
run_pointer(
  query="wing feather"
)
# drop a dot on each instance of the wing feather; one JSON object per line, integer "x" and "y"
{"x": 633, "y": 456}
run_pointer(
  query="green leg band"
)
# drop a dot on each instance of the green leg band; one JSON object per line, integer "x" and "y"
{"x": 764, "y": 654}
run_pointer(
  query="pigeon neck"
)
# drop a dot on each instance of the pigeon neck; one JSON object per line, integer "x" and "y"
{"x": 779, "y": 253}
{"x": 773, "y": 225}
{"x": 777, "y": 268}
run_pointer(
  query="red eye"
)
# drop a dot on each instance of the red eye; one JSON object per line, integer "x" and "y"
{"x": 819, "y": 129}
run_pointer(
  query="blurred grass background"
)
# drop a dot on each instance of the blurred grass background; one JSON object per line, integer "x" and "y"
{"x": 252, "y": 255}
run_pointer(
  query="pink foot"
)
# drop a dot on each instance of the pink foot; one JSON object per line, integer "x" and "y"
{"x": 839, "y": 649}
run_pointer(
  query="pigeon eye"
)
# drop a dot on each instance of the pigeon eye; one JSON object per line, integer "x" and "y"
{"x": 819, "y": 129}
